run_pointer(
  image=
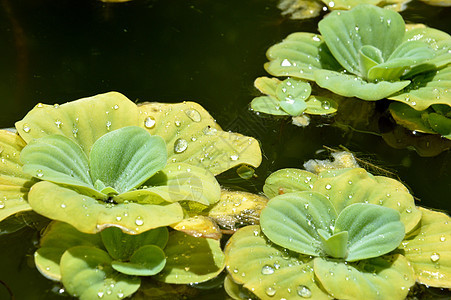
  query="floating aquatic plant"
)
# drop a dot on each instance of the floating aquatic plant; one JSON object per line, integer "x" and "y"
{"x": 340, "y": 228}
{"x": 290, "y": 97}
{"x": 110, "y": 162}
{"x": 367, "y": 53}
{"x": 110, "y": 264}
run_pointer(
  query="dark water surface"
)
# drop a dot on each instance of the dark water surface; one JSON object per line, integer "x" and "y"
{"x": 54, "y": 51}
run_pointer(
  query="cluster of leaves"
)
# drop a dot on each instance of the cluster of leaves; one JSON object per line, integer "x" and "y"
{"x": 338, "y": 228}
{"x": 291, "y": 97}
{"x": 110, "y": 264}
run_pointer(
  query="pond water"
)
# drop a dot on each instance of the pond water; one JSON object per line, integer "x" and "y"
{"x": 169, "y": 51}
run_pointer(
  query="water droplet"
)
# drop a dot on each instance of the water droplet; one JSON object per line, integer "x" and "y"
{"x": 331, "y": 4}
{"x": 2, "y": 204}
{"x": 26, "y": 128}
{"x": 435, "y": 257}
{"x": 270, "y": 291}
{"x": 116, "y": 107}
{"x": 234, "y": 157}
{"x": 39, "y": 173}
{"x": 108, "y": 125}
{"x": 285, "y": 63}
{"x": 180, "y": 145}
{"x": 325, "y": 105}
{"x": 149, "y": 122}
{"x": 442, "y": 238}
{"x": 139, "y": 221}
{"x": 328, "y": 186}
{"x": 118, "y": 218}
{"x": 304, "y": 291}
{"x": 356, "y": 28}
{"x": 177, "y": 123}
{"x": 187, "y": 269}
{"x": 63, "y": 205}
{"x": 267, "y": 270}
{"x": 58, "y": 123}
{"x": 316, "y": 38}
{"x": 100, "y": 294}
{"x": 56, "y": 105}
{"x": 39, "y": 105}
{"x": 193, "y": 115}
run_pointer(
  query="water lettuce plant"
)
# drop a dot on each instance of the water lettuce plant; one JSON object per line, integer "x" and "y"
{"x": 342, "y": 234}
{"x": 290, "y": 97}
{"x": 104, "y": 161}
{"x": 367, "y": 53}
{"x": 111, "y": 264}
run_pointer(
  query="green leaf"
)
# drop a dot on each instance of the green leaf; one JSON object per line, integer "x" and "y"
{"x": 440, "y": 124}
{"x": 358, "y": 186}
{"x": 299, "y": 55}
{"x": 427, "y": 89}
{"x": 84, "y": 121}
{"x": 372, "y": 230}
{"x": 58, "y": 159}
{"x": 292, "y": 95}
{"x": 125, "y": 158}
{"x": 428, "y": 249}
{"x": 408, "y": 117}
{"x": 406, "y": 56}
{"x": 89, "y": 215}
{"x": 346, "y": 32}
{"x": 353, "y": 86}
{"x": 192, "y": 136}
{"x": 145, "y": 261}
{"x": 256, "y": 264}
{"x": 266, "y": 85}
{"x": 318, "y": 105}
{"x": 369, "y": 56}
{"x": 121, "y": 246}
{"x": 386, "y": 277}
{"x": 57, "y": 238}
{"x": 14, "y": 183}
{"x": 292, "y": 220}
{"x": 334, "y": 245}
{"x": 87, "y": 273}
{"x": 268, "y": 105}
{"x": 190, "y": 259}
{"x": 288, "y": 180}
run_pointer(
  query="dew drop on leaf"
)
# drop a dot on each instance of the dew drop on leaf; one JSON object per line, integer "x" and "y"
{"x": 328, "y": 186}
{"x": 267, "y": 270}
{"x": 2, "y": 204}
{"x": 325, "y": 105}
{"x": 270, "y": 291}
{"x": 149, "y": 122}
{"x": 442, "y": 238}
{"x": 26, "y": 128}
{"x": 193, "y": 115}
{"x": 139, "y": 221}
{"x": 304, "y": 291}
{"x": 435, "y": 257}
{"x": 180, "y": 145}
{"x": 234, "y": 157}
{"x": 39, "y": 173}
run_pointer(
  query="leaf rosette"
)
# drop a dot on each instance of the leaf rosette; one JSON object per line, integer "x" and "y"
{"x": 367, "y": 53}
{"x": 111, "y": 264}
{"x": 339, "y": 228}
{"x": 103, "y": 162}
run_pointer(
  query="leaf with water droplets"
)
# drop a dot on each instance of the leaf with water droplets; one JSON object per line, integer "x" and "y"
{"x": 385, "y": 277}
{"x": 147, "y": 260}
{"x": 292, "y": 220}
{"x": 318, "y": 105}
{"x": 190, "y": 259}
{"x": 91, "y": 216}
{"x": 288, "y": 180}
{"x": 298, "y": 55}
{"x": 58, "y": 159}
{"x": 178, "y": 182}
{"x": 83, "y": 121}
{"x": 354, "y": 86}
{"x": 372, "y": 230}
{"x": 268, "y": 105}
{"x": 14, "y": 183}
{"x": 86, "y": 273}
{"x": 125, "y": 158}
{"x": 358, "y": 186}
{"x": 346, "y": 32}
{"x": 428, "y": 249}
{"x": 292, "y": 94}
{"x": 254, "y": 264}
{"x": 196, "y": 139}
{"x": 121, "y": 246}
{"x": 427, "y": 89}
